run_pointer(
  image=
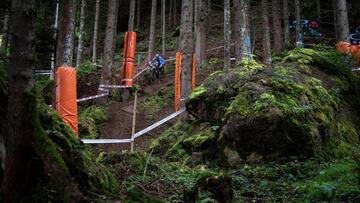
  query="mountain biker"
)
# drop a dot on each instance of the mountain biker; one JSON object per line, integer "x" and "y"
{"x": 159, "y": 66}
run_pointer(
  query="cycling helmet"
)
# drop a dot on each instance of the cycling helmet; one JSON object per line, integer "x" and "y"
{"x": 157, "y": 55}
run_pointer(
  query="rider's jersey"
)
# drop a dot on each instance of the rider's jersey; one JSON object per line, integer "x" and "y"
{"x": 160, "y": 61}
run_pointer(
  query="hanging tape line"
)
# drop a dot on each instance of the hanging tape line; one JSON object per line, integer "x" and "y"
{"x": 136, "y": 135}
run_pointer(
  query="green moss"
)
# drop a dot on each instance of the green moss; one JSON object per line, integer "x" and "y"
{"x": 155, "y": 103}
{"x": 239, "y": 105}
{"x": 214, "y": 61}
{"x": 97, "y": 113}
{"x": 89, "y": 120}
{"x": 249, "y": 67}
{"x": 198, "y": 91}
{"x": 337, "y": 182}
{"x": 200, "y": 139}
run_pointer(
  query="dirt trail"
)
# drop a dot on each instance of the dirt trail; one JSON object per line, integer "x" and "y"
{"x": 120, "y": 114}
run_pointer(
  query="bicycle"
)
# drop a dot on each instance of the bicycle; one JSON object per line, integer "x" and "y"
{"x": 155, "y": 71}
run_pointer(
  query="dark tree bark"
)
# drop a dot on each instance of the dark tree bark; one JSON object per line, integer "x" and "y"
{"x": 266, "y": 34}
{"x": 298, "y": 24}
{"x": 65, "y": 43}
{"x": 138, "y": 13}
{"x": 5, "y": 36}
{"x": 20, "y": 128}
{"x": 81, "y": 35}
{"x": 186, "y": 46}
{"x": 227, "y": 32}
{"x": 109, "y": 42}
{"x": 131, "y": 16}
{"x": 152, "y": 29}
{"x": 201, "y": 14}
{"x": 163, "y": 25}
{"x": 278, "y": 38}
{"x": 286, "y": 24}
{"x": 95, "y": 35}
{"x": 342, "y": 21}
{"x": 242, "y": 33}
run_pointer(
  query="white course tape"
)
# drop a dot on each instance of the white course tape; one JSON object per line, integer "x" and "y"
{"x": 155, "y": 125}
{"x": 113, "y": 86}
{"x": 106, "y": 141}
{"x": 136, "y": 135}
{"x": 93, "y": 97}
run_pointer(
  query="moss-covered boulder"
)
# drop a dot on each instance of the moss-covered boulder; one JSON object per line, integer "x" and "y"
{"x": 64, "y": 170}
{"x": 90, "y": 118}
{"x": 305, "y": 106}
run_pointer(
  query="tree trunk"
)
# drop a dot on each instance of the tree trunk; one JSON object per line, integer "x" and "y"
{"x": 175, "y": 13}
{"x": 266, "y": 34}
{"x": 278, "y": 39}
{"x": 163, "y": 25}
{"x": 343, "y": 21}
{"x": 298, "y": 29}
{"x": 242, "y": 29}
{"x": 152, "y": 29}
{"x": 65, "y": 42}
{"x": 286, "y": 24}
{"x": 170, "y": 12}
{"x": 54, "y": 37}
{"x": 81, "y": 35}
{"x": 318, "y": 9}
{"x": 109, "y": 42}
{"x": 138, "y": 14}
{"x": 131, "y": 16}
{"x": 200, "y": 30}
{"x": 227, "y": 33}
{"x": 186, "y": 46}
{"x": 336, "y": 27}
{"x": 20, "y": 111}
{"x": 5, "y": 37}
{"x": 95, "y": 35}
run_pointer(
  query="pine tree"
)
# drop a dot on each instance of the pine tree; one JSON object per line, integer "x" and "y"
{"x": 109, "y": 42}
{"x": 186, "y": 46}
{"x": 342, "y": 21}
{"x": 131, "y": 16}
{"x": 278, "y": 38}
{"x": 152, "y": 29}
{"x": 286, "y": 23}
{"x": 20, "y": 128}
{"x": 227, "y": 33}
{"x": 96, "y": 28}
{"x": 65, "y": 43}
{"x": 81, "y": 34}
{"x": 266, "y": 34}
{"x": 201, "y": 13}
{"x": 298, "y": 24}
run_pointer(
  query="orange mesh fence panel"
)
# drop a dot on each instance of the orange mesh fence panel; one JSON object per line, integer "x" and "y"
{"x": 343, "y": 47}
{"x": 129, "y": 58}
{"x": 193, "y": 72}
{"x": 347, "y": 48}
{"x": 177, "y": 81}
{"x": 66, "y": 104}
{"x": 123, "y": 62}
{"x": 355, "y": 52}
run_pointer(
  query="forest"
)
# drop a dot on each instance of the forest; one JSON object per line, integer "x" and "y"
{"x": 193, "y": 101}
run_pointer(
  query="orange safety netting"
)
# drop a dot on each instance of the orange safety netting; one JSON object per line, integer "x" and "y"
{"x": 177, "y": 80}
{"x": 193, "y": 72}
{"x": 66, "y": 104}
{"x": 347, "y": 48}
{"x": 127, "y": 73}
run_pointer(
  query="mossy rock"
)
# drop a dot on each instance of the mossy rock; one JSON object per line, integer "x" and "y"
{"x": 90, "y": 119}
{"x": 294, "y": 111}
{"x": 66, "y": 167}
